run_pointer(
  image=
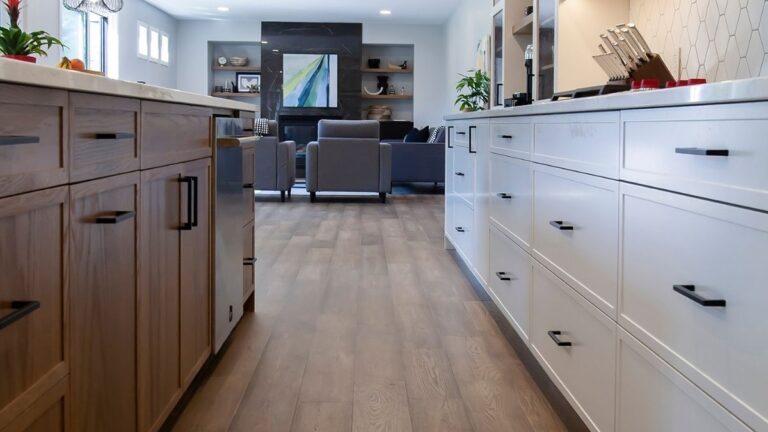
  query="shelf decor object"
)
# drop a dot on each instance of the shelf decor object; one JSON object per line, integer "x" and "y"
{"x": 98, "y": 6}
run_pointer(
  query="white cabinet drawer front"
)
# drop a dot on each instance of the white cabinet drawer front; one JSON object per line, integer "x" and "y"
{"x": 673, "y": 245}
{"x": 510, "y": 280}
{"x": 459, "y": 134}
{"x": 512, "y": 139}
{"x": 511, "y": 197}
{"x": 449, "y": 171}
{"x": 464, "y": 229}
{"x": 587, "y": 142}
{"x": 585, "y": 370}
{"x": 575, "y": 223}
{"x": 449, "y": 223}
{"x": 668, "y": 148}
{"x": 464, "y": 175}
{"x": 652, "y": 396}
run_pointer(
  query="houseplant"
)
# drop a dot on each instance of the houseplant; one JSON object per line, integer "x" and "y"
{"x": 474, "y": 91}
{"x": 20, "y": 45}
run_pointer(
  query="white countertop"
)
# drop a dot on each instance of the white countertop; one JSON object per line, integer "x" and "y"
{"x": 747, "y": 90}
{"x": 17, "y": 72}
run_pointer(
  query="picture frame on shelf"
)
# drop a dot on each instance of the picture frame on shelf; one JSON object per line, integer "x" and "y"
{"x": 246, "y": 80}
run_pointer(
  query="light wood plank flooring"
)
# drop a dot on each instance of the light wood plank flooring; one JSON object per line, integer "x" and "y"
{"x": 364, "y": 323}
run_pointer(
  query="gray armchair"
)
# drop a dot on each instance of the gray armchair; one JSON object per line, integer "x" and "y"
{"x": 275, "y": 163}
{"x": 348, "y": 157}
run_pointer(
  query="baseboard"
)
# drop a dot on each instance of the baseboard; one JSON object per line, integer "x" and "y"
{"x": 559, "y": 403}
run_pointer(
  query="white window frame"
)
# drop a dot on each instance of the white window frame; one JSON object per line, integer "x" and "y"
{"x": 139, "y": 26}
{"x": 149, "y": 39}
{"x": 167, "y": 38}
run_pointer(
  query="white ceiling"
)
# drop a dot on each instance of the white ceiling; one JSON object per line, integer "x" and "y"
{"x": 403, "y": 11}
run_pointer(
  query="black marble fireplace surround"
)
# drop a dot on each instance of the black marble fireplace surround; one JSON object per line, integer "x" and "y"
{"x": 345, "y": 40}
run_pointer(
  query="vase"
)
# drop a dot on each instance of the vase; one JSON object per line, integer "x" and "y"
{"x": 382, "y": 84}
{"x": 24, "y": 58}
{"x": 374, "y": 63}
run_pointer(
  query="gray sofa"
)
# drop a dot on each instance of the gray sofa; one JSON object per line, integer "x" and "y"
{"x": 416, "y": 162}
{"x": 348, "y": 157}
{"x": 275, "y": 163}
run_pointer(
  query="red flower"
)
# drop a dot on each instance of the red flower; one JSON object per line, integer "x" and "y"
{"x": 14, "y": 10}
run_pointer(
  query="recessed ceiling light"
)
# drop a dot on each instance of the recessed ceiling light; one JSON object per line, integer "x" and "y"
{"x": 385, "y": 12}
{"x": 222, "y": 9}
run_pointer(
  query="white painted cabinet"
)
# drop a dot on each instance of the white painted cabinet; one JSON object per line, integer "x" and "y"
{"x": 510, "y": 280}
{"x": 511, "y": 197}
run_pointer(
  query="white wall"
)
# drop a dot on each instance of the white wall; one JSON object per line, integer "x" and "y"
{"x": 45, "y": 15}
{"x": 470, "y": 22}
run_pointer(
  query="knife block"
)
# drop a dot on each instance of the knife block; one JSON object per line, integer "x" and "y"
{"x": 654, "y": 68}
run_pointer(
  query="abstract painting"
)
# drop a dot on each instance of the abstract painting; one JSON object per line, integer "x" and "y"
{"x": 310, "y": 80}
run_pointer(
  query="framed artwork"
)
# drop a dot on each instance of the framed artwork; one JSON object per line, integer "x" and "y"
{"x": 310, "y": 80}
{"x": 248, "y": 81}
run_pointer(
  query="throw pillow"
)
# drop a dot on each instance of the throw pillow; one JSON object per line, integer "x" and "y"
{"x": 438, "y": 134}
{"x": 416, "y": 135}
{"x": 261, "y": 127}
{"x": 441, "y": 135}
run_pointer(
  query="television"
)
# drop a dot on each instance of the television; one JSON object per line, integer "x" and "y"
{"x": 310, "y": 80}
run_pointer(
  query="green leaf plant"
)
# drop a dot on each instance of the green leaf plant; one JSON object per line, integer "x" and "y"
{"x": 474, "y": 91}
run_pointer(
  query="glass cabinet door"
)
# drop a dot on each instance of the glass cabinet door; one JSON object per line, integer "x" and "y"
{"x": 546, "y": 49}
{"x": 497, "y": 87}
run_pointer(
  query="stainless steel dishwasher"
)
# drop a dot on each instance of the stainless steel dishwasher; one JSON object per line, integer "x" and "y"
{"x": 229, "y": 216}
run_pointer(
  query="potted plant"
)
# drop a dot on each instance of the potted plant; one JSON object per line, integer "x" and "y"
{"x": 20, "y": 45}
{"x": 475, "y": 91}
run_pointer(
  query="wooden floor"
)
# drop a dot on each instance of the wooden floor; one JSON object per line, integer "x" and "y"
{"x": 364, "y": 323}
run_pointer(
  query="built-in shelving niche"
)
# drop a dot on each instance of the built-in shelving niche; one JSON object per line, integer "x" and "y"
{"x": 218, "y": 76}
{"x": 402, "y": 106}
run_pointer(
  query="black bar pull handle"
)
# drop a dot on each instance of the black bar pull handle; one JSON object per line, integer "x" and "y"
{"x": 115, "y": 217}
{"x": 196, "y": 196}
{"x": 689, "y": 291}
{"x": 461, "y": 133}
{"x": 459, "y": 173}
{"x": 701, "y": 151}
{"x": 115, "y": 136}
{"x": 248, "y": 186}
{"x": 471, "y": 150}
{"x": 562, "y": 226}
{"x": 187, "y": 226}
{"x": 506, "y": 136}
{"x": 555, "y": 335}
{"x": 505, "y": 196}
{"x": 249, "y": 261}
{"x": 448, "y": 137}
{"x": 18, "y": 139}
{"x": 504, "y": 276}
{"x": 460, "y": 229}
{"x": 20, "y": 310}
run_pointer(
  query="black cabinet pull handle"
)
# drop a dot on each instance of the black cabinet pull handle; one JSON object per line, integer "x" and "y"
{"x": 18, "y": 139}
{"x": 248, "y": 186}
{"x": 460, "y": 229}
{"x": 689, "y": 291}
{"x": 195, "y": 194}
{"x": 701, "y": 152}
{"x": 20, "y": 310}
{"x": 503, "y": 195}
{"x": 471, "y": 150}
{"x": 115, "y": 136}
{"x": 506, "y": 136}
{"x": 555, "y": 335}
{"x": 504, "y": 276}
{"x": 249, "y": 261}
{"x": 461, "y": 133}
{"x": 448, "y": 137}
{"x": 561, "y": 225}
{"x": 115, "y": 217}
{"x": 187, "y": 226}
{"x": 459, "y": 173}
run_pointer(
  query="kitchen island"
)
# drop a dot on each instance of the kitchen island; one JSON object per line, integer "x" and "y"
{"x": 624, "y": 239}
{"x": 106, "y": 240}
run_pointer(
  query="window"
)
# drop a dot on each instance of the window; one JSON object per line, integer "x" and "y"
{"x": 165, "y": 49}
{"x": 154, "y": 44}
{"x": 85, "y": 37}
{"x": 143, "y": 42}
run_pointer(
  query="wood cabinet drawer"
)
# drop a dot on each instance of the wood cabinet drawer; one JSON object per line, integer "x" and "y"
{"x": 575, "y": 223}
{"x": 511, "y": 198}
{"x": 464, "y": 175}
{"x": 510, "y": 280}
{"x": 667, "y": 148}
{"x": 464, "y": 229}
{"x": 49, "y": 413}
{"x": 652, "y": 396}
{"x": 512, "y": 139}
{"x": 104, "y": 282}
{"x": 249, "y": 260}
{"x": 678, "y": 248}
{"x": 33, "y": 139}
{"x": 172, "y": 133}
{"x": 585, "y": 369}
{"x": 587, "y": 142}
{"x": 103, "y": 138}
{"x": 33, "y": 245}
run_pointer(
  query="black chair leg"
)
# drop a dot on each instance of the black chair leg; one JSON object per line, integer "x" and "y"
{"x": 312, "y": 197}
{"x": 289, "y": 193}
{"x": 383, "y": 197}
{"x": 282, "y": 196}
